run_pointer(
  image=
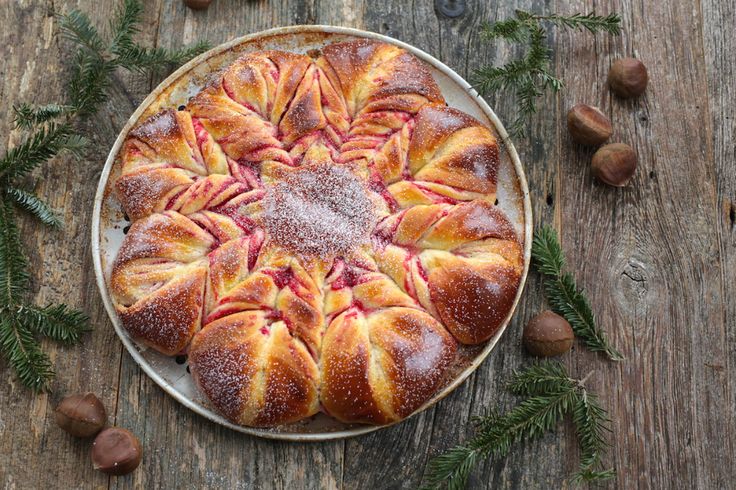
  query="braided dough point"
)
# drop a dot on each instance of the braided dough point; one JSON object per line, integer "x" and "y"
{"x": 318, "y": 234}
{"x": 380, "y": 367}
{"x": 158, "y": 280}
{"x": 254, "y": 371}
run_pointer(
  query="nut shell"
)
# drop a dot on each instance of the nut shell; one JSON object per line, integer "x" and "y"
{"x": 614, "y": 164}
{"x": 547, "y": 335}
{"x": 81, "y": 415}
{"x": 628, "y": 77}
{"x": 588, "y": 125}
{"x": 116, "y": 451}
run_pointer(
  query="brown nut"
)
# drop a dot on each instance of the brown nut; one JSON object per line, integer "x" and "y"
{"x": 588, "y": 125}
{"x": 116, "y": 451}
{"x": 548, "y": 334}
{"x": 197, "y": 4}
{"x": 81, "y": 415}
{"x": 614, "y": 164}
{"x": 628, "y": 77}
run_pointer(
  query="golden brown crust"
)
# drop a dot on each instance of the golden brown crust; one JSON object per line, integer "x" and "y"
{"x": 369, "y": 71}
{"x": 367, "y": 334}
{"x": 467, "y": 270}
{"x": 451, "y": 148}
{"x": 254, "y": 371}
{"x": 167, "y": 319}
{"x": 473, "y": 305}
{"x": 380, "y": 367}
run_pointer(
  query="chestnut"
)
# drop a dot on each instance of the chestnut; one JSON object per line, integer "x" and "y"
{"x": 548, "y": 334}
{"x": 116, "y": 451}
{"x": 614, "y": 164}
{"x": 628, "y": 77}
{"x": 588, "y": 125}
{"x": 81, "y": 415}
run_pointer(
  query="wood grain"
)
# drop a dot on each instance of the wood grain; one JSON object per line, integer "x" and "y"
{"x": 658, "y": 258}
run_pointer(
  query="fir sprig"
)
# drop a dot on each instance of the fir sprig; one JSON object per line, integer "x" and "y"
{"x": 551, "y": 395}
{"x": 51, "y": 131}
{"x": 529, "y": 76}
{"x": 99, "y": 54}
{"x": 32, "y": 204}
{"x": 27, "y": 116}
{"x": 46, "y": 143}
{"x": 564, "y": 296}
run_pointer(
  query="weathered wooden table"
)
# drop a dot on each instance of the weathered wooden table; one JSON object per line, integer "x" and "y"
{"x": 658, "y": 258}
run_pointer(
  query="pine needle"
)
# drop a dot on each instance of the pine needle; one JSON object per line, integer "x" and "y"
{"x": 43, "y": 145}
{"x": 125, "y": 25}
{"x": 33, "y": 205}
{"x": 591, "y": 427}
{"x": 564, "y": 296}
{"x": 52, "y": 131}
{"x": 77, "y": 27}
{"x": 17, "y": 343}
{"x": 137, "y": 58}
{"x": 551, "y": 395}
{"x": 57, "y": 322}
{"x": 529, "y": 77}
{"x": 14, "y": 265}
{"x": 610, "y": 23}
{"x": 90, "y": 82}
{"x": 97, "y": 58}
{"x": 26, "y": 116}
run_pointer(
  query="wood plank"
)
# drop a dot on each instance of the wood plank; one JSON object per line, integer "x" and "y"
{"x": 648, "y": 254}
{"x": 720, "y": 364}
{"x": 658, "y": 259}
{"x": 61, "y": 271}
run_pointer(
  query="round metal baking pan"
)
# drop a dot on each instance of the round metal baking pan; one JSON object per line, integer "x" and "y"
{"x": 108, "y": 220}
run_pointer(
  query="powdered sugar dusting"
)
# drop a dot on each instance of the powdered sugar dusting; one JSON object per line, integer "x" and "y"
{"x": 319, "y": 210}
{"x": 156, "y": 126}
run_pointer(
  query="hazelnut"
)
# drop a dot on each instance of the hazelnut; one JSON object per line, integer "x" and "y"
{"x": 81, "y": 415}
{"x": 588, "y": 125}
{"x": 548, "y": 334}
{"x": 614, "y": 164}
{"x": 116, "y": 451}
{"x": 197, "y": 4}
{"x": 628, "y": 77}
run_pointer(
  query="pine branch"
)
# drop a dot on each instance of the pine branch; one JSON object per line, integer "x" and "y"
{"x": 510, "y": 29}
{"x": 590, "y": 425}
{"x": 96, "y": 59}
{"x": 90, "y": 82}
{"x": 125, "y": 25}
{"x": 33, "y": 205}
{"x": 529, "y": 77}
{"x": 77, "y": 27}
{"x": 97, "y": 56}
{"x": 17, "y": 343}
{"x": 540, "y": 379}
{"x": 57, "y": 322}
{"x": 496, "y": 434}
{"x": 610, "y": 23}
{"x": 14, "y": 276}
{"x": 43, "y": 145}
{"x": 26, "y": 116}
{"x": 552, "y": 394}
{"x": 137, "y": 58}
{"x": 564, "y": 296}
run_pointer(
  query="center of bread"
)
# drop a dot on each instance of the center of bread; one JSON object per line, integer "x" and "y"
{"x": 319, "y": 210}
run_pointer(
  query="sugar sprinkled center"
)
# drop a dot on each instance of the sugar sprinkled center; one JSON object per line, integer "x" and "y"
{"x": 319, "y": 210}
